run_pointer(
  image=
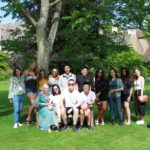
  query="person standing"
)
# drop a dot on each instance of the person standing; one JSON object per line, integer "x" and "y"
{"x": 84, "y": 77}
{"x": 115, "y": 88}
{"x": 101, "y": 90}
{"x": 16, "y": 94}
{"x": 126, "y": 94}
{"x": 139, "y": 91}
{"x": 66, "y": 77}
{"x": 31, "y": 89}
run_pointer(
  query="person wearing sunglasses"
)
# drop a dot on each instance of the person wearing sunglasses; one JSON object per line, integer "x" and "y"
{"x": 71, "y": 105}
{"x": 87, "y": 100}
{"x": 54, "y": 78}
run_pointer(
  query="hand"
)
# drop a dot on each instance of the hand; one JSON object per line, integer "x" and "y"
{"x": 98, "y": 94}
{"x": 69, "y": 111}
{"x": 112, "y": 91}
{"x": 11, "y": 101}
{"x": 128, "y": 99}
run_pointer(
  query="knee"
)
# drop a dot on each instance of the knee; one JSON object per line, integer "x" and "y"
{"x": 81, "y": 112}
{"x": 75, "y": 110}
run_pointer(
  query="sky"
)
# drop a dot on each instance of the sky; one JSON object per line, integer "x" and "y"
{"x": 7, "y": 19}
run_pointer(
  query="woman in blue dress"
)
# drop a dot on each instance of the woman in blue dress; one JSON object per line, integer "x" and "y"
{"x": 47, "y": 117}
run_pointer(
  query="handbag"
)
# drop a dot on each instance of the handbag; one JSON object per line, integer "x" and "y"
{"x": 143, "y": 98}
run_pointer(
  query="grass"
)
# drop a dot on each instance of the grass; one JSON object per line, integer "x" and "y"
{"x": 106, "y": 137}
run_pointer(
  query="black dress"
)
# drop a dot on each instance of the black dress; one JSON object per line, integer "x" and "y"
{"x": 101, "y": 86}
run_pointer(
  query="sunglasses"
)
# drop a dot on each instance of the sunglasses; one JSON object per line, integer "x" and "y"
{"x": 71, "y": 84}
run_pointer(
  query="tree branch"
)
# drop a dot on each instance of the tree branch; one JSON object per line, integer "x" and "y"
{"x": 27, "y": 15}
{"x": 54, "y": 3}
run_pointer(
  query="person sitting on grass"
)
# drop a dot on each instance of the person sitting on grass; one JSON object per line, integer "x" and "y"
{"x": 87, "y": 100}
{"x": 71, "y": 104}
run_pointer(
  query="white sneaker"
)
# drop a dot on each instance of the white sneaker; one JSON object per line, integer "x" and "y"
{"x": 137, "y": 121}
{"x": 96, "y": 122}
{"x": 20, "y": 125}
{"x": 15, "y": 125}
{"x": 140, "y": 122}
{"x": 102, "y": 123}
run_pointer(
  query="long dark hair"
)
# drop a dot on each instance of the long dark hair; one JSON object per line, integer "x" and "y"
{"x": 135, "y": 76}
{"x": 96, "y": 74}
{"x": 59, "y": 91}
{"x": 40, "y": 77}
{"x": 127, "y": 78}
{"x": 14, "y": 71}
{"x": 109, "y": 76}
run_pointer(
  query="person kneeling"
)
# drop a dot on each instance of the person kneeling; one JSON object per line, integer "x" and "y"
{"x": 71, "y": 104}
{"x": 87, "y": 100}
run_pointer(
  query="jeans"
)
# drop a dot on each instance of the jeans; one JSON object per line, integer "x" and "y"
{"x": 117, "y": 101}
{"x": 17, "y": 103}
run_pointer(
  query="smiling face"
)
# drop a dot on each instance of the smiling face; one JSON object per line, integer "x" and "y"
{"x": 33, "y": 66}
{"x": 71, "y": 85}
{"x": 67, "y": 69}
{"x": 54, "y": 72}
{"x": 18, "y": 72}
{"x": 55, "y": 90}
{"x": 99, "y": 73}
{"x": 124, "y": 72}
{"x": 45, "y": 89}
{"x": 112, "y": 73}
{"x": 84, "y": 71}
{"x": 86, "y": 88}
{"x": 137, "y": 72}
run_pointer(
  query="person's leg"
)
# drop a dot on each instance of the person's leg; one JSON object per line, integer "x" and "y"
{"x": 118, "y": 103}
{"x": 88, "y": 117}
{"x": 127, "y": 109}
{"x": 111, "y": 105}
{"x": 31, "y": 98}
{"x": 21, "y": 100}
{"x": 58, "y": 113}
{"x": 16, "y": 110}
{"x": 102, "y": 111}
{"x": 75, "y": 115}
{"x": 82, "y": 116}
{"x": 64, "y": 118}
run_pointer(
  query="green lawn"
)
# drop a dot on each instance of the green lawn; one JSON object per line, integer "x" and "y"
{"x": 106, "y": 137}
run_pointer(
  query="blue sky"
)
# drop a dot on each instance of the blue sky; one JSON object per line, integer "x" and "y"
{"x": 7, "y": 19}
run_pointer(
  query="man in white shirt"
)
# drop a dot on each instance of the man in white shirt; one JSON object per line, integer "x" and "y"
{"x": 87, "y": 100}
{"x": 64, "y": 78}
{"x": 71, "y": 103}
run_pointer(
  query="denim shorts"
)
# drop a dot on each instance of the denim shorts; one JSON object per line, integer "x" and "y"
{"x": 34, "y": 91}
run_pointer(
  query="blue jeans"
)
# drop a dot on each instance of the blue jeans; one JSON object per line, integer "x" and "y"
{"x": 117, "y": 101}
{"x": 17, "y": 103}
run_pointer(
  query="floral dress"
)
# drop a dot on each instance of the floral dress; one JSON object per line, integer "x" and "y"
{"x": 47, "y": 117}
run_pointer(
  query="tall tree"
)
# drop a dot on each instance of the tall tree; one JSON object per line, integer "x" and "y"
{"x": 45, "y": 34}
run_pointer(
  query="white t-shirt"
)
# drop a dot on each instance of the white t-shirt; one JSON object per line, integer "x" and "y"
{"x": 70, "y": 98}
{"x": 138, "y": 83}
{"x": 56, "y": 100}
{"x": 87, "y": 98}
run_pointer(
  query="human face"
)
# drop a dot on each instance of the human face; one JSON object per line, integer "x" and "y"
{"x": 137, "y": 72}
{"x": 71, "y": 85}
{"x": 99, "y": 73}
{"x": 18, "y": 72}
{"x": 54, "y": 72}
{"x": 67, "y": 69}
{"x": 46, "y": 89}
{"x": 84, "y": 72}
{"x": 33, "y": 66}
{"x": 86, "y": 88}
{"x": 55, "y": 89}
{"x": 124, "y": 72}
{"x": 112, "y": 73}
{"x": 42, "y": 74}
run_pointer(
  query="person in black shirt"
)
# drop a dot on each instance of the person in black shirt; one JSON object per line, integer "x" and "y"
{"x": 126, "y": 94}
{"x": 101, "y": 90}
{"x": 84, "y": 77}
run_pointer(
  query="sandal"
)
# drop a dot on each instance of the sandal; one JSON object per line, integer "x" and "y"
{"x": 28, "y": 122}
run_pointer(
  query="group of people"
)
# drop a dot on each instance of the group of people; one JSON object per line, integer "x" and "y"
{"x": 57, "y": 98}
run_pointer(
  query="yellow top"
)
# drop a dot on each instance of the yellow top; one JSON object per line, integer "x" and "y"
{"x": 41, "y": 83}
